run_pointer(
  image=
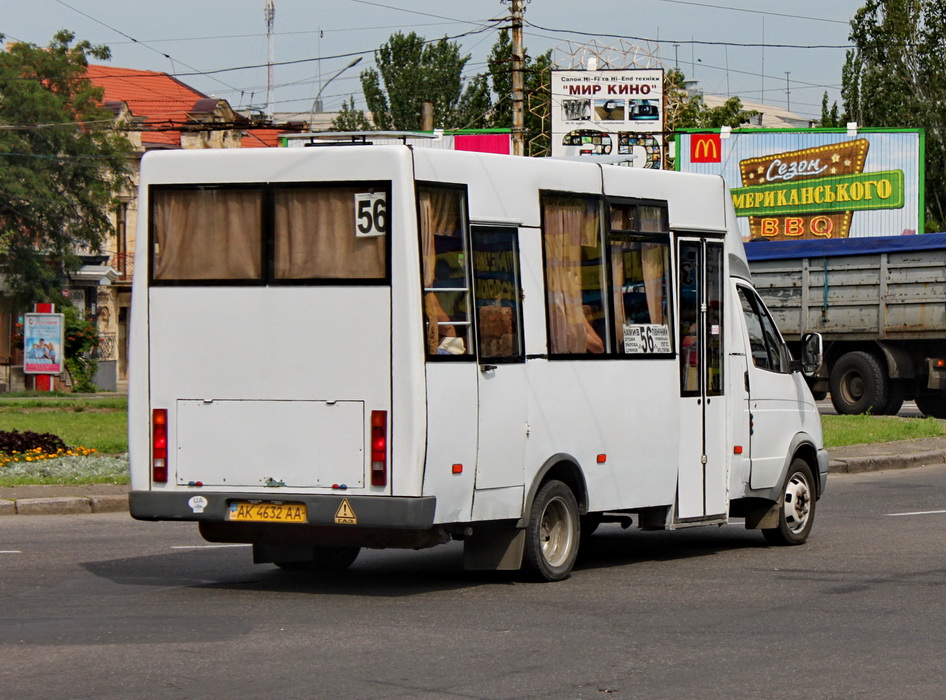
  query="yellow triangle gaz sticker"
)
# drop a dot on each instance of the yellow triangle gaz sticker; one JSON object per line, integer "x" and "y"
{"x": 345, "y": 515}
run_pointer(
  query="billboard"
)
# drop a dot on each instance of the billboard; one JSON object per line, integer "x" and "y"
{"x": 43, "y": 343}
{"x": 814, "y": 183}
{"x": 609, "y": 113}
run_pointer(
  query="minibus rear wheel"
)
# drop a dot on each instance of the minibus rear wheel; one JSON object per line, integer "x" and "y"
{"x": 324, "y": 559}
{"x": 552, "y": 534}
{"x": 796, "y": 507}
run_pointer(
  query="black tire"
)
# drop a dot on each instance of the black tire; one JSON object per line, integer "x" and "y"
{"x": 796, "y": 507}
{"x": 324, "y": 559}
{"x": 553, "y": 533}
{"x": 895, "y": 398}
{"x": 819, "y": 395}
{"x": 859, "y": 384}
{"x": 932, "y": 405}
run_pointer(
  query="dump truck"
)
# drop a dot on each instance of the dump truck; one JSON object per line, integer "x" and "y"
{"x": 879, "y": 304}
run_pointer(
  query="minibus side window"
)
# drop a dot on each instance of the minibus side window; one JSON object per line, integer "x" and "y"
{"x": 207, "y": 234}
{"x": 765, "y": 344}
{"x": 640, "y": 274}
{"x": 574, "y": 275}
{"x": 443, "y": 231}
{"x": 497, "y": 293}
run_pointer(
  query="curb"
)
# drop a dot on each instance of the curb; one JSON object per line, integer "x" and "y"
{"x": 65, "y": 505}
{"x": 856, "y": 465}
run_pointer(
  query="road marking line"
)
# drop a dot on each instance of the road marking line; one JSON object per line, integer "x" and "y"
{"x": 10, "y": 551}
{"x": 209, "y": 546}
{"x": 920, "y": 512}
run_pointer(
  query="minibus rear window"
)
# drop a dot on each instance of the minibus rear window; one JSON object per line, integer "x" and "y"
{"x": 254, "y": 234}
{"x": 203, "y": 234}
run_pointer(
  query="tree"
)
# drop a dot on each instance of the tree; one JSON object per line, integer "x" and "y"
{"x": 62, "y": 165}
{"x": 896, "y": 77}
{"x": 350, "y": 119}
{"x": 410, "y": 71}
{"x": 830, "y": 117}
{"x": 690, "y": 112}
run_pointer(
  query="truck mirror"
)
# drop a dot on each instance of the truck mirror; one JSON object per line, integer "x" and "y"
{"x": 812, "y": 353}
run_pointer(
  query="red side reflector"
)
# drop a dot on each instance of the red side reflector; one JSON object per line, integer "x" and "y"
{"x": 602, "y": 459}
{"x": 457, "y": 468}
{"x": 159, "y": 445}
{"x": 737, "y": 450}
{"x": 379, "y": 448}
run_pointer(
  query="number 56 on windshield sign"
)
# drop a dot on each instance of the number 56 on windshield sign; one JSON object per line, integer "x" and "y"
{"x": 371, "y": 214}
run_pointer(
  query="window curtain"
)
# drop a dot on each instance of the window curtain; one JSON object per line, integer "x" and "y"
{"x": 570, "y": 223}
{"x": 207, "y": 234}
{"x": 315, "y": 237}
{"x": 654, "y": 261}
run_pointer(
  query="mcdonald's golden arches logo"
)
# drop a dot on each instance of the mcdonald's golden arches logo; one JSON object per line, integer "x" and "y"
{"x": 705, "y": 148}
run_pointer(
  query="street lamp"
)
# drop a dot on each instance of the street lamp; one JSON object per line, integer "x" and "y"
{"x": 317, "y": 102}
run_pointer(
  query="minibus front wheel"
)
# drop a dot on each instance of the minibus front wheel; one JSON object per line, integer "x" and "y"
{"x": 796, "y": 507}
{"x": 552, "y": 534}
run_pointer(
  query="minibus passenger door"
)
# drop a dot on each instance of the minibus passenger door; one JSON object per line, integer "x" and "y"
{"x": 701, "y": 486}
{"x": 497, "y": 292}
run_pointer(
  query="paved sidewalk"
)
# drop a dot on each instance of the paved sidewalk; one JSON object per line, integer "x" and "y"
{"x": 110, "y": 498}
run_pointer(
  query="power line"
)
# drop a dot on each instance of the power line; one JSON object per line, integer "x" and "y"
{"x": 692, "y": 42}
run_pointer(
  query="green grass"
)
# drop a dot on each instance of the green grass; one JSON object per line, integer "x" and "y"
{"x": 99, "y": 424}
{"x": 857, "y": 430}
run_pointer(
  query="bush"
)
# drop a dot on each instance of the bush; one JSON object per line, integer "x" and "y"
{"x": 15, "y": 441}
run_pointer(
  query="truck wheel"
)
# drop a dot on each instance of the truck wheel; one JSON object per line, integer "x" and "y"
{"x": 553, "y": 532}
{"x": 858, "y": 384}
{"x": 324, "y": 559}
{"x": 895, "y": 397}
{"x": 796, "y": 507}
{"x": 932, "y": 405}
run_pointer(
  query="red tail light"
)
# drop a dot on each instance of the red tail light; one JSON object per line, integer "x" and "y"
{"x": 379, "y": 448}
{"x": 159, "y": 445}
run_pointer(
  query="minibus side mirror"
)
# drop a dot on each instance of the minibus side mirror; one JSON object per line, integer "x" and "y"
{"x": 812, "y": 355}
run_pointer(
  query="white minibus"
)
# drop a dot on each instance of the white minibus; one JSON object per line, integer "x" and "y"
{"x": 341, "y": 347}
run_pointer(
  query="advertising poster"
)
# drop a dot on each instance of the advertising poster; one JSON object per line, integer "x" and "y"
{"x": 43, "y": 344}
{"x": 609, "y": 113}
{"x": 810, "y": 184}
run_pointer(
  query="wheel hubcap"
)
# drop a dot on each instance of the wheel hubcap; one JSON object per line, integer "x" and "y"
{"x": 797, "y": 506}
{"x": 556, "y": 532}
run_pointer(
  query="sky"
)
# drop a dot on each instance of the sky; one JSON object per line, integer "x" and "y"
{"x": 778, "y": 53}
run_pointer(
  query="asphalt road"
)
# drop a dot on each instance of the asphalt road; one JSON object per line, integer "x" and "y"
{"x": 100, "y": 606}
{"x": 908, "y": 410}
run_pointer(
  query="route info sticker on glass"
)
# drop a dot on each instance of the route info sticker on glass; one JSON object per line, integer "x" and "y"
{"x": 646, "y": 339}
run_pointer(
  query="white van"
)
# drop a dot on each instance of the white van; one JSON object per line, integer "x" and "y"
{"x": 385, "y": 346}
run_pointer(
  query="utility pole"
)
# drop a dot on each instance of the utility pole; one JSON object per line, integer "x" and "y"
{"x": 518, "y": 101}
{"x": 788, "y": 92}
{"x": 269, "y": 13}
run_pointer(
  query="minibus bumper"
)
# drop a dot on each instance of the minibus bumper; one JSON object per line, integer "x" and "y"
{"x": 389, "y": 512}
{"x": 822, "y": 471}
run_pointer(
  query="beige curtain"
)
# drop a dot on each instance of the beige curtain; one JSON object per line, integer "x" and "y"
{"x": 654, "y": 258}
{"x": 207, "y": 234}
{"x": 570, "y": 223}
{"x": 315, "y": 237}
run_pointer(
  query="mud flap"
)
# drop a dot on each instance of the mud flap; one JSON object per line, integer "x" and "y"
{"x": 494, "y": 546}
